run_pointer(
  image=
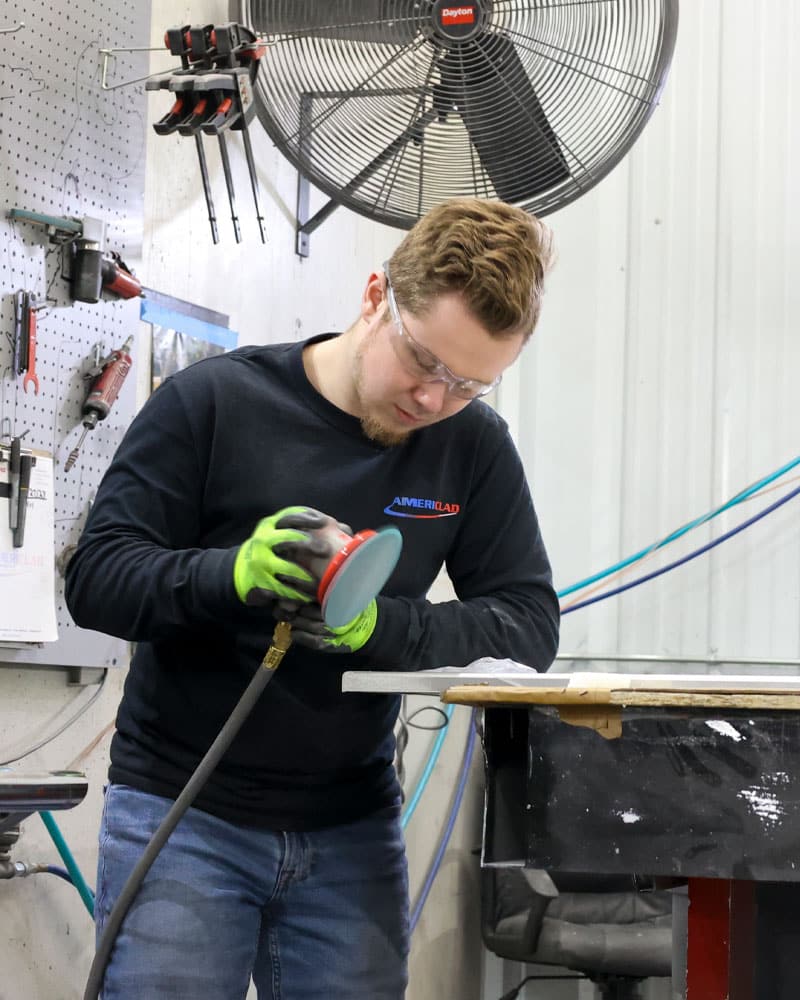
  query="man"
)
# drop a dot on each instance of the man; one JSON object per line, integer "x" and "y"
{"x": 291, "y": 865}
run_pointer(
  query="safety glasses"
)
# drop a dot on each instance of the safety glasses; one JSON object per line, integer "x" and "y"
{"x": 421, "y": 363}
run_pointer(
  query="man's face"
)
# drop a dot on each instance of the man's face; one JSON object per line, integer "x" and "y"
{"x": 395, "y": 402}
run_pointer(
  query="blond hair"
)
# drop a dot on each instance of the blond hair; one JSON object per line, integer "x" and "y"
{"x": 493, "y": 254}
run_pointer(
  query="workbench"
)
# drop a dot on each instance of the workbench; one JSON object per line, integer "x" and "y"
{"x": 692, "y": 778}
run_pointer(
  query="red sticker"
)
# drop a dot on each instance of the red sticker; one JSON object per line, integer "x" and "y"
{"x": 458, "y": 15}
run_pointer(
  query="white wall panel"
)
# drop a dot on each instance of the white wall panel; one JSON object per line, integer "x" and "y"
{"x": 570, "y": 387}
{"x": 669, "y": 356}
{"x": 663, "y": 377}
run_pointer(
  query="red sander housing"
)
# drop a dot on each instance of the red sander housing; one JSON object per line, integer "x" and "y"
{"x": 360, "y": 566}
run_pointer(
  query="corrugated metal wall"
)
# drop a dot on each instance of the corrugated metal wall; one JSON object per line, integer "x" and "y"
{"x": 664, "y": 376}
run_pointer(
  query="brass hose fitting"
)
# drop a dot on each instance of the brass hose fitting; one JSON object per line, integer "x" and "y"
{"x": 281, "y": 641}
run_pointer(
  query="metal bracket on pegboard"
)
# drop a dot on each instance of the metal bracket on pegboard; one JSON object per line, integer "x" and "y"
{"x": 106, "y": 54}
{"x": 10, "y": 31}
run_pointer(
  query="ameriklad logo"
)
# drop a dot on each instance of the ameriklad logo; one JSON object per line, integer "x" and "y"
{"x": 421, "y": 509}
{"x": 458, "y": 15}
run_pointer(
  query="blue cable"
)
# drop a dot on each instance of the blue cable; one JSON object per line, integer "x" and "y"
{"x": 78, "y": 880}
{"x": 416, "y": 912}
{"x": 737, "y": 499}
{"x": 61, "y": 872}
{"x": 413, "y": 802}
{"x": 686, "y": 558}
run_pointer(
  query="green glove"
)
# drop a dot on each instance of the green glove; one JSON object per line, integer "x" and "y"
{"x": 309, "y": 628}
{"x": 267, "y": 564}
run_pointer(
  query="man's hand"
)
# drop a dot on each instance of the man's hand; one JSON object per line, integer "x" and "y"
{"x": 266, "y": 568}
{"x": 309, "y": 628}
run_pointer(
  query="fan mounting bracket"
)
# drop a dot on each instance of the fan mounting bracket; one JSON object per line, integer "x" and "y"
{"x": 301, "y": 246}
{"x": 306, "y": 225}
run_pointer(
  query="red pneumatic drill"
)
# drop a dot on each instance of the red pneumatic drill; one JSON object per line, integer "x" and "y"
{"x": 102, "y": 394}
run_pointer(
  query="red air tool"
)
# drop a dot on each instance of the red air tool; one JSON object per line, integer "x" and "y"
{"x": 102, "y": 394}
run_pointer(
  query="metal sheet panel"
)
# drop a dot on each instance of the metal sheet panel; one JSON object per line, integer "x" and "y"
{"x": 663, "y": 378}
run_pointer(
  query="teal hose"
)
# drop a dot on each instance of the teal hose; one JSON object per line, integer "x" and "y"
{"x": 413, "y": 802}
{"x": 66, "y": 856}
{"x": 739, "y": 498}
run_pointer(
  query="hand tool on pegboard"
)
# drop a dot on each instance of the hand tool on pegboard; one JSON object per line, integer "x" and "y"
{"x": 213, "y": 94}
{"x": 20, "y": 361}
{"x": 89, "y": 268}
{"x": 26, "y": 463}
{"x": 24, "y": 362}
{"x": 14, "y": 459}
{"x": 29, "y": 332}
{"x": 104, "y": 388}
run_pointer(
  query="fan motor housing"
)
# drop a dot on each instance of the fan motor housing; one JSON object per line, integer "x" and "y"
{"x": 458, "y": 22}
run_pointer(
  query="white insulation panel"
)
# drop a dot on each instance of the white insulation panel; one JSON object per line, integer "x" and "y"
{"x": 663, "y": 378}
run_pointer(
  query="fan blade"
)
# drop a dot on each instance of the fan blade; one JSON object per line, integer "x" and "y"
{"x": 388, "y": 21}
{"x": 487, "y": 84}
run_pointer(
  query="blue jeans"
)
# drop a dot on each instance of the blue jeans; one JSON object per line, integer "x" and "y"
{"x": 321, "y": 915}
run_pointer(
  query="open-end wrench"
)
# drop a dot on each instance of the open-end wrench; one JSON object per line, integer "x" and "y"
{"x": 30, "y": 374}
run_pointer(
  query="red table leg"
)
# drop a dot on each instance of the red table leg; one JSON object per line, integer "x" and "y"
{"x": 720, "y": 960}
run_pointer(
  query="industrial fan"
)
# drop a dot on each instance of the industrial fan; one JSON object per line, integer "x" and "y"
{"x": 391, "y": 106}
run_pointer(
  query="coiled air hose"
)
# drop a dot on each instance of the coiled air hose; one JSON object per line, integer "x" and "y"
{"x": 281, "y": 640}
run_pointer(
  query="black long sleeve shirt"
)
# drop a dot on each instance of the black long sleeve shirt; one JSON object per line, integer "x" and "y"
{"x": 224, "y": 443}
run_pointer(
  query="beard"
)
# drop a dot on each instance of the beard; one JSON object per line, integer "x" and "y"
{"x": 372, "y": 427}
{"x": 381, "y": 434}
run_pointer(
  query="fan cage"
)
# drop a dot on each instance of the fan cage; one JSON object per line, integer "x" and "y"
{"x": 389, "y": 119}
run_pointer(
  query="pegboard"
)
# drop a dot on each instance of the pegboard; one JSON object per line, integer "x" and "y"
{"x": 70, "y": 149}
